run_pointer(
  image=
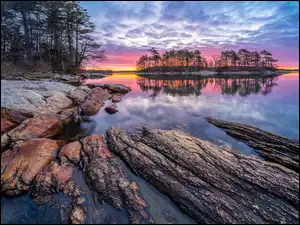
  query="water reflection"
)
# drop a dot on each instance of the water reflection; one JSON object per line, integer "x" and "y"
{"x": 229, "y": 86}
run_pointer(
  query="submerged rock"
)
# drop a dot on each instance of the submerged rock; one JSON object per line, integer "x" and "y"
{"x": 111, "y": 109}
{"x": 271, "y": 147}
{"x": 120, "y": 88}
{"x": 22, "y": 163}
{"x": 212, "y": 184}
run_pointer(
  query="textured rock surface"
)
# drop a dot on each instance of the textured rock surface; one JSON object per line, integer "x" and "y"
{"x": 79, "y": 94}
{"x": 116, "y": 98}
{"x": 52, "y": 177}
{"x": 271, "y": 147}
{"x": 22, "y": 163}
{"x": 105, "y": 175}
{"x": 111, "y": 109}
{"x": 95, "y": 101}
{"x": 35, "y": 96}
{"x": 120, "y": 88}
{"x": 71, "y": 152}
{"x": 40, "y": 126}
{"x": 212, "y": 184}
{"x": 10, "y": 119}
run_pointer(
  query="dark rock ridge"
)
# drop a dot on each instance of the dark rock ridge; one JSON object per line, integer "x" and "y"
{"x": 212, "y": 184}
{"x": 272, "y": 147}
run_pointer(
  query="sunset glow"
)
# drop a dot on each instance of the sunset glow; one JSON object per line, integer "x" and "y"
{"x": 129, "y": 29}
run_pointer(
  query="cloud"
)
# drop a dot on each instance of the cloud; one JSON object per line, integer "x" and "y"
{"x": 142, "y": 25}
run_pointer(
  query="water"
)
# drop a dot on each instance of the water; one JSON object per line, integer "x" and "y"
{"x": 177, "y": 103}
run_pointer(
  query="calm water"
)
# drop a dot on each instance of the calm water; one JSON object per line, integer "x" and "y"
{"x": 268, "y": 103}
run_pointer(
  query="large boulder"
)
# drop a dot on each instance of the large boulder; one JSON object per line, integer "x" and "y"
{"x": 212, "y": 184}
{"x": 40, "y": 126}
{"x": 35, "y": 96}
{"x": 23, "y": 162}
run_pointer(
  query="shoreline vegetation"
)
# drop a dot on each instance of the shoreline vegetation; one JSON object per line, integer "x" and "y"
{"x": 185, "y": 62}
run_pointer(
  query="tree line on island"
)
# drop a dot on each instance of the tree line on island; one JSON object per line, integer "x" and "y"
{"x": 193, "y": 60}
{"x": 52, "y": 34}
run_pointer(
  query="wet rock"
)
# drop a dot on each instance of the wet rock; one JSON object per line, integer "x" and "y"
{"x": 95, "y": 101}
{"x": 116, "y": 98}
{"x": 79, "y": 94}
{"x": 111, "y": 109}
{"x": 271, "y": 147}
{"x": 105, "y": 175}
{"x": 40, "y": 126}
{"x": 22, "y": 163}
{"x": 77, "y": 215}
{"x": 71, "y": 152}
{"x": 120, "y": 88}
{"x": 52, "y": 179}
{"x": 212, "y": 184}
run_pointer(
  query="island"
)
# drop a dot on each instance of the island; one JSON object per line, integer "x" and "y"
{"x": 185, "y": 62}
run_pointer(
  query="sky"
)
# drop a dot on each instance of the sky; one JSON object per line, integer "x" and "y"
{"x": 129, "y": 29}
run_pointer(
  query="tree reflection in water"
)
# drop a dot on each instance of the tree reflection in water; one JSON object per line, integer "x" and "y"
{"x": 243, "y": 86}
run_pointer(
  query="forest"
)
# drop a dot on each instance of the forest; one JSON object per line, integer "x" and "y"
{"x": 47, "y": 35}
{"x": 193, "y": 60}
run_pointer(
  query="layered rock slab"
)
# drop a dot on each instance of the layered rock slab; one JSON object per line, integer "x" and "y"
{"x": 212, "y": 184}
{"x": 271, "y": 147}
{"x": 23, "y": 162}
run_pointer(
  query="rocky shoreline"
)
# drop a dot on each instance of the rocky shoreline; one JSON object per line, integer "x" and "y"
{"x": 211, "y": 184}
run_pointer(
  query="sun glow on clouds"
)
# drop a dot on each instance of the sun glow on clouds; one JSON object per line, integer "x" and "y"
{"x": 131, "y": 28}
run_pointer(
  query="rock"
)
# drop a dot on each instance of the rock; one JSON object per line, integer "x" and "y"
{"x": 111, "y": 109}
{"x": 10, "y": 119}
{"x": 212, "y": 184}
{"x": 271, "y": 147}
{"x": 79, "y": 94}
{"x": 35, "y": 96}
{"x": 13, "y": 115}
{"x": 7, "y": 125}
{"x": 71, "y": 152}
{"x": 40, "y": 126}
{"x": 116, "y": 98}
{"x": 67, "y": 115}
{"x": 95, "y": 101}
{"x": 21, "y": 164}
{"x": 105, "y": 175}
{"x": 77, "y": 215}
{"x": 52, "y": 179}
{"x": 120, "y": 88}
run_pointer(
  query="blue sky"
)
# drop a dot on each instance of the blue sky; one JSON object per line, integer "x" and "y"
{"x": 128, "y": 29}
